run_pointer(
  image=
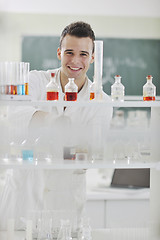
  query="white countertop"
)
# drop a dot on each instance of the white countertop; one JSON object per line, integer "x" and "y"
{"x": 117, "y": 194}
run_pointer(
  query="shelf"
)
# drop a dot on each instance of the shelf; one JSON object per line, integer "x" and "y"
{"x": 73, "y": 164}
{"x": 80, "y": 103}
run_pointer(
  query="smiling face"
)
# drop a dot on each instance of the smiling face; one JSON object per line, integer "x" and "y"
{"x": 76, "y": 54}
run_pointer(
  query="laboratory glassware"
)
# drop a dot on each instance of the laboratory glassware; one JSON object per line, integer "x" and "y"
{"x": 92, "y": 91}
{"x": 20, "y": 85}
{"x": 117, "y": 89}
{"x": 26, "y": 77}
{"x": 2, "y": 78}
{"x": 149, "y": 90}
{"x": 8, "y": 74}
{"x": 44, "y": 226}
{"x": 98, "y": 69}
{"x": 13, "y": 78}
{"x": 71, "y": 90}
{"x": 52, "y": 89}
{"x": 65, "y": 230}
{"x": 84, "y": 232}
{"x": 27, "y": 149}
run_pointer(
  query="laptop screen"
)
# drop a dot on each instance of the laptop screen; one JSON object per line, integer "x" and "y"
{"x": 131, "y": 178}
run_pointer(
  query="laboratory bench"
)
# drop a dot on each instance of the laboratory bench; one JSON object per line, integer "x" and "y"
{"x": 111, "y": 204}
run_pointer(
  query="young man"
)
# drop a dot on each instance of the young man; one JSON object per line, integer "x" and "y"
{"x": 76, "y": 53}
{"x": 63, "y": 189}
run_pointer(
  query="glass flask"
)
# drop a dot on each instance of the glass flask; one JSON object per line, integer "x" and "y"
{"x": 27, "y": 148}
{"x": 44, "y": 226}
{"x": 65, "y": 231}
{"x": 117, "y": 89}
{"x": 71, "y": 90}
{"x": 92, "y": 91}
{"x": 84, "y": 232}
{"x": 149, "y": 90}
{"x": 52, "y": 89}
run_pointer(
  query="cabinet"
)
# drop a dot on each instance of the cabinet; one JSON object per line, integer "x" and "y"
{"x": 118, "y": 208}
{"x": 108, "y": 158}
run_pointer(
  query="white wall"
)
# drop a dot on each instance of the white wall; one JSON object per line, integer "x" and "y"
{"x": 116, "y": 18}
{"x": 147, "y": 8}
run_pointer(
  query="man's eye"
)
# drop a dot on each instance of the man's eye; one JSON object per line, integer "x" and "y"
{"x": 69, "y": 53}
{"x": 84, "y": 54}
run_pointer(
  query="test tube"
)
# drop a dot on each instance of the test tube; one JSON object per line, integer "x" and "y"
{"x": 2, "y": 76}
{"x": 19, "y": 78}
{"x": 26, "y": 76}
{"x": 98, "y": 68}
{"x": 13, "y": 78}
{"x": 7, "y": 77}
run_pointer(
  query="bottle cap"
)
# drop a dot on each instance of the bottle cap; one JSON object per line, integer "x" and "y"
{"x": 149, "y": 76}
{"x": 52, "y": 74}
{"x": 117, "y": 76}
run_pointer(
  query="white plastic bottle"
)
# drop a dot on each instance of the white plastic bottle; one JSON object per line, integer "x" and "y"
{"x": 52, "y": 89}
{"x": 117, "y": 89}
{"x": 149, "y": 90}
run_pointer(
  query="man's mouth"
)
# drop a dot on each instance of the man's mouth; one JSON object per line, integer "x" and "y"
{"x": 74, "y": 68}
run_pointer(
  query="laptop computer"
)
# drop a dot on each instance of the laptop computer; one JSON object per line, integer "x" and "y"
{"x": 131, "y": 178}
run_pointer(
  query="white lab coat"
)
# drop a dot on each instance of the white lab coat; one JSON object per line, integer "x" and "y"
{"x": 27, "y": 190}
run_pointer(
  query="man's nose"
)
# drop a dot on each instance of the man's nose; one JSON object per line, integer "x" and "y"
{"x": 75, "y": 59}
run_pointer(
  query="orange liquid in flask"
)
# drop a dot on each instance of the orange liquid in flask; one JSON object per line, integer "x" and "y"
{"x": 91, "y": 95}
{"x": 148, "y": 98}
{"x": 52, "y": 96}
{"x": 70, "y": 96}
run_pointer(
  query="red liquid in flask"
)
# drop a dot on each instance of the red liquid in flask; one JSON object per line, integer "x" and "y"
{"x": 52, "y": 96}
{"x": 91, "y": 95}
{"x": 70, "y": 96}
{"x": 148, "y": 98}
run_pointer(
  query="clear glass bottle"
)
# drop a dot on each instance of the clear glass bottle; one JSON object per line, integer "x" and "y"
{"x": 65, "y": 231}
{"x": 52, "y": 89}
{"x": 71, "y": 90}
{"x": 149, "y": 90}
{"x": 117, "y": 89}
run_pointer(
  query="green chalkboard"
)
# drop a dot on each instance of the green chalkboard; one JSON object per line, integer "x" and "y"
{"x": 133, "y": 59}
